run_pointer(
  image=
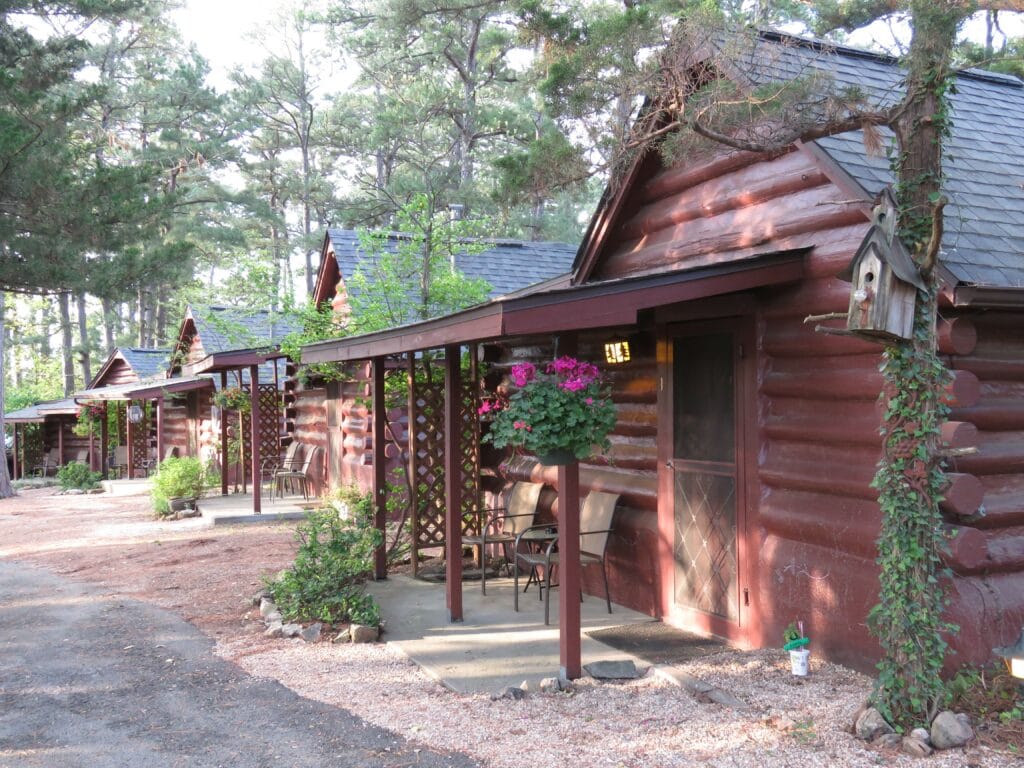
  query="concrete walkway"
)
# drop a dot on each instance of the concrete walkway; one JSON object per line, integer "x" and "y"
{"x": 237, "y": 508}
{"x": 494, "y": 647}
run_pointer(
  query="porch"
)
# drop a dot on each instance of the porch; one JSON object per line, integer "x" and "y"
{"x": 237, "y": 508}
{"x": 493, "y": 647}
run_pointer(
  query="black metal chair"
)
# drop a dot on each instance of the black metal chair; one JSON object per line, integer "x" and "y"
{"x": 501, "y": 525}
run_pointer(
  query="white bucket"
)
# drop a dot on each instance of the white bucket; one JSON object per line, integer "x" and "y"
{"x": 800, "y": 660}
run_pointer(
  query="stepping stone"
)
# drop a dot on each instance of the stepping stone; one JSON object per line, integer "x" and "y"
{"x": 612, "y": 670}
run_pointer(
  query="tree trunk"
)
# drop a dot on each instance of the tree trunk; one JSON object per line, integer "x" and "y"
{"x": 141, "y": 303}
{"x": 84, "y": 351}
{"x": 6, "y": 491}
{"x": 45, "y": 324}
{"x": 68, "y": 342}
{"x": 161, "y": 324}
{"x": 109, "y": 319}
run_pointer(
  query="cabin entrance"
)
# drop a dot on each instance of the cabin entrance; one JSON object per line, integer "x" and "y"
{"x": 702, "y": 515}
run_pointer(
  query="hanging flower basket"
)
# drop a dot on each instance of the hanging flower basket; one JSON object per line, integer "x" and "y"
{"x": 233, "y": 399}
{"x": 561, "y": 415}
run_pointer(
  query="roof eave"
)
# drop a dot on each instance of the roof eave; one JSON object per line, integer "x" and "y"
{"x": 989, "y": 297}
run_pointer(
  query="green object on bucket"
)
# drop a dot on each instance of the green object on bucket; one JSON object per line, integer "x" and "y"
{"x": 792, "y": 645}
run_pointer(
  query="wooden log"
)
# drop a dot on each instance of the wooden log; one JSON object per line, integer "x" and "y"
{"x": 962, "y": 495}
{"x": 853, "y": 377}
{"x": 639, "y": 489}
{"x": 964, "y": 390}
{"x": 636, "y": 419}
{"x": 1004, "y": 501}
{"x": 957, "y": 336}
{"x": 968, "y": 549}
{"x": 762, "y": 224}
{"x": 792, "y": 337}
{"x": 811, "y": 296}
{"x": 985, "y": 367}
{"x": 749, "y": 186}
{"x": 856, "y": 422}
{"x": 672, "y": 181}
{"x": 1006, "y": 551}
{"x": 959, "y": 434}
{"x": 993, "y": 413}
{"x": 998, "y": 453}
{"x": 834, "y": 522}
{"x": 839, "y": 470}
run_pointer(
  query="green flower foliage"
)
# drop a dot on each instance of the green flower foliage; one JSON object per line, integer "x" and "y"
{"x": 566, "y": 409}
{"x": 334, "y": 559}
{"x": 183, "y": 477}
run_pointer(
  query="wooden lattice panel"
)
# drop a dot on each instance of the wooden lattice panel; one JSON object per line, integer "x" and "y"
{"x": 427, "y": 432}
{"x": 428, "y": 460}
{"x": 270, "y": 421}
{"x": 140, "y": 442}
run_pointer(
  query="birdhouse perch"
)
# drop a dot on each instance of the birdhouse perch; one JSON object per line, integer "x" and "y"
{"x": 884, "y": 280}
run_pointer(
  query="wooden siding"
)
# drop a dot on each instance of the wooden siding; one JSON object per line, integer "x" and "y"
{"x": 119, "y": 372}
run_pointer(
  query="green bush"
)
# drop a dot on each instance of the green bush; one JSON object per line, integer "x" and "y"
{"x": 177, "y": 478}
{"x": 78, "y": 475}
{"x": 334, "y": 559}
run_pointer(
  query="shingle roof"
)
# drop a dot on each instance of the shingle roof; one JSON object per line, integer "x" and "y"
{"x": 983, "y": 242}
{"x": 507, "y": 265}
{"x": 146, "y": 362}
{"x": 226, "y": 329}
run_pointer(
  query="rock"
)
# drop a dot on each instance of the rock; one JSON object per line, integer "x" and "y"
{"x": 949, "y": 731}
{"x": 612, "y": 670}
{"x": 267, "y": 607}
{"x": 274, "y": 630}
{"x": 921, "y": 734}
{"x": 312, "y": 633}
{"x": 552, "y": 685}
{"x": 291, "y": 630}
{"x": 965, "y": 719}
{"x": 260, "y": 596}
{"x": 73, "y": 492}
{"x": 888, "y": 741}
{"x": 342, "y": 637}
{"x": 871, "y": 724}
{"x": 363, "y": 634}
{"x": 513, "y": 693}
{"x": 916, "y": 747}
{"x": 94, "y": 490}
{"x": 270, "y": 618}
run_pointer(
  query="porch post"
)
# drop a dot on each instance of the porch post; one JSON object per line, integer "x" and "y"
{"x": 129, "y": 434}
{"x": 569, "y": 559}
{"x": 159, "y": 431}
{"x": 453, "y": 481}
{"x": 92, "y": 449}
{"x": 254, "y": 428}
{"x": 224, "y": 439}
{"x": 380, "y": 563}
{"x": 104, "y": 441}
{"x": 14, "y": 453}
{"x": 60, "y": 441}
{"x": 411, "y": 468}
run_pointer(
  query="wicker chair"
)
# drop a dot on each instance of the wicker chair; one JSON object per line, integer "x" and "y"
{"x": 595, "y": 527}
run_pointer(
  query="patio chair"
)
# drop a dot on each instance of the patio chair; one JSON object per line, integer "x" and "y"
{"x": 82, "y": 457}
{"x": 302, "y": 476}
{"x": 153, "y": 461}
{"x": 501, "y": 525}
{"x": 119, "y": 463}
{"x": 49, "y": 464}
{"x": 291, "y": 459}
{"x": 595, "y": 527}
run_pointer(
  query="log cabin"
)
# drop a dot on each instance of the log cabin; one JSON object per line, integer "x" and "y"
{"x": 333, "y": 415}
{"x": 746, "y": 442}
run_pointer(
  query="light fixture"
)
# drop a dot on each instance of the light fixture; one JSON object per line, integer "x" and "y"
{"x": 134, "y": 413}
{"x": 617, "y": 352}
{"x": 1013, "y": 655}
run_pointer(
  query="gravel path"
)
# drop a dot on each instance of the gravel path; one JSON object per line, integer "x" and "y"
{"x": 98, "y": 680}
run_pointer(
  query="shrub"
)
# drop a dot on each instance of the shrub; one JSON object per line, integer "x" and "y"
{"x": 78, "y": 475}
{"x": 177, "y": 478}
{"x": 334, "y": 559}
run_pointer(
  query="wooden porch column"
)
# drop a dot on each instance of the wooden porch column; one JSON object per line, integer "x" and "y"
{"x": 60, "y": 441}
{"x": 129, "y": 433}
{"x": 453, "y": 481}
{"x": 411, "y": 469}
{"x": 104, "y": 442}
{"x": 380, "y": 562}
{"x": 569, "y": 558}
{"x": 14, "y": 453}
{"x": 159, "y": 430}
{"x": 223, "y": 439}
{"x": 254, "y": 429}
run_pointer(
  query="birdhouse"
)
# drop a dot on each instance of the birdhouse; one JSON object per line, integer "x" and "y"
{"x": 884, "y": 278}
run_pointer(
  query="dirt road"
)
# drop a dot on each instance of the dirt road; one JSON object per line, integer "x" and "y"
{"x": 90, "y": 677}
